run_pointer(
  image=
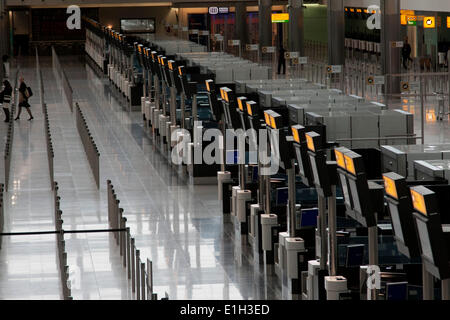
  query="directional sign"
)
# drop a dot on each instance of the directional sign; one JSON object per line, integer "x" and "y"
{"x": 291, "y": 55}
{"x": 302, "y": 60}
{"x": 234, "y": 42}
{"x": 429, "y": 22}
{"x": 252, "y": 47}
{"x": 204, "y": 33}
{"x": 414, "y": 86}
{"x": 404, "y": 86}
{"x": 268, "y": 49}
{"x": 334, "y": 69}
{"x": 378, "y": 79}
{"x": 397, "y": 44}
{"x": 213, "y": 10}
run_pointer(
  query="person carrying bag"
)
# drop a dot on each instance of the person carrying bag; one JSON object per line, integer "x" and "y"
{"x": 24, "y": 94}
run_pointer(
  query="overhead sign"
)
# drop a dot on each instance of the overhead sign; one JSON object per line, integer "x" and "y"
{"x": 224, "y": 10}
{"x": 280, "y": 17}
{"x": 204, "y": 33}
{"x": 429, "y": 23}
{"x": 448, "y": 22}
{"x": 412, "y": 20}
{"x": 213, "y": 10}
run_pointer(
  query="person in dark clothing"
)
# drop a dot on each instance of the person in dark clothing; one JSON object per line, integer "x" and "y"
{"x": 23, "y": 100}
{"x": 281, "y": 60}
{"x": 406, "y": 53}
{"x": 5, "y": 98}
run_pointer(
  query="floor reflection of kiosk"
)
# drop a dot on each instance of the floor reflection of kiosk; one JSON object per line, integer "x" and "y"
{"x": 325, "y": 180}
{"x": 434, "y": 237}
{"x": 364, "y": 203}
{"x": 398, "y": 198}
{"x": 291, "y": 250}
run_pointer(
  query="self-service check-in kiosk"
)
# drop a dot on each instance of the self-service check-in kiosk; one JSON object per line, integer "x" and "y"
{"x": 363, "y": 199}
{"x": 325, "y": 180}
{"x": 261, "y": 208}
{"x": 434, "y": 236}
{"x": 398, "y": 198}
{"x": 291, "y": 249}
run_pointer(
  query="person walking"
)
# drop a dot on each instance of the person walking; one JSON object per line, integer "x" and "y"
{"x": 24, "y": 95}
{"x": 281, "y": 60}
{"x": 5, "y": 98}
{"x": 406, "y": 53}
{"x": 5, "y": 65}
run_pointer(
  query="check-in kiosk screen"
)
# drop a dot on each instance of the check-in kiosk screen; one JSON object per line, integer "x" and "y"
{"x": 424, "y": 240}
{"x": 137, "y": 25}
{"x": 396, "y": 222}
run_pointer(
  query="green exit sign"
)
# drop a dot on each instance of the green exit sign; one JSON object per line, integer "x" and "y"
{"x": 412, "y": 23}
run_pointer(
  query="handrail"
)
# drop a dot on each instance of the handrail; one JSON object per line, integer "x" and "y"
{"x": 140, "y": 273}
{"x": 89, "y": 145}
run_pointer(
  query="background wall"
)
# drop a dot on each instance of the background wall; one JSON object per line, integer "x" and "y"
{"x": 163, "y": 15}
{"x": 315, "y": 23}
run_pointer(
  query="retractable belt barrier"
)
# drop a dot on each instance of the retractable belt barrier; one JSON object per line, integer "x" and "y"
{"x": 89, "y": 145}
{"x": 62, "y": 254}
{"x": 48, "y": 136}
{"x": 140, "y": 273}
{"x": 61, "y": 77}
{"x": 10, "y": 133}
{"x": 2, "y": 213}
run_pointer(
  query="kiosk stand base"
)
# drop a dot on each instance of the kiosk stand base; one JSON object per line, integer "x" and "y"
{"x": 335, "y": 286}
{"x": 268, "y": 223}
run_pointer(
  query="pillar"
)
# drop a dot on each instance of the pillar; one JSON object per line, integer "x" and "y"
{"x": 265, "y": 22}
{"x": 296, "y": 27}
{"x": 336, "y": 32}
{"x": 390, "y": 31}
{"x": 241, "y": 30}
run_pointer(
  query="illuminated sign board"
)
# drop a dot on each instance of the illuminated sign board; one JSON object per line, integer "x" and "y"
{"x": 429, "y": 23}
{"x": 280, "y": 17}
{"x": 448, "y": 22}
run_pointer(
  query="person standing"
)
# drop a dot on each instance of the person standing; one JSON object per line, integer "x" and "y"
{"x": 24, "y": 94}
{"x": 406, "y": 53}
{"x": 5, "y": 98}
{"x": 281, "y": 60}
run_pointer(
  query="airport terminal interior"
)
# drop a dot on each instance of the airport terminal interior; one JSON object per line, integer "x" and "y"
{"x": 225, "y": 150}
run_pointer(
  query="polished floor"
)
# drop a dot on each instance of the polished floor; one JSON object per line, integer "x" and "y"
{"x": 178, "y": 226}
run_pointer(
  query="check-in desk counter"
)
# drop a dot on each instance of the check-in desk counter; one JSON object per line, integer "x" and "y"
{"x": 333, "y": 99}
{"x": 400, "y": 158}
{"x": 429, "y": 170}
